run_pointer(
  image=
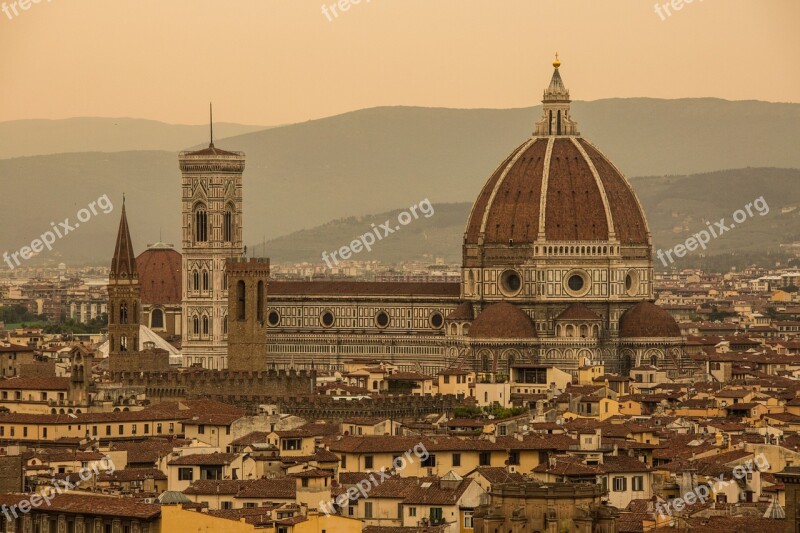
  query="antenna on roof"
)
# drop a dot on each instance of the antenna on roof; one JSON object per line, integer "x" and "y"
{"x": 211, "y": 123}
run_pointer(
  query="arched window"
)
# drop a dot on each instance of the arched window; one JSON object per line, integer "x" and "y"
{"x": 123, "y": 343}
{"x": 260, "y": 302}
{"x": 156, "y": 318}
{"x": 123, "y": 313}
{"x": 200, "y": 223}
{"x": 225, "y": 281}
{"x": 225, "y": 325}
{"x": 584, "y": 331}
{"x": 205, "y": 280}
{"x": 205, "y": 325}
{"x": 240, "y": 297}
{"x": 196, "y": 325}
{"x": 227, "y": 224}
{"x": 196, "y": 280}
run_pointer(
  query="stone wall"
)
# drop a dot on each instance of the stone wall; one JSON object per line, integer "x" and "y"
{"x": 219, "y": 384}
{"x": 327, "y": 408}
{"x": 145, "y": 361}
{"x": 38, "y": 369}
{"x": 10, "y": 473}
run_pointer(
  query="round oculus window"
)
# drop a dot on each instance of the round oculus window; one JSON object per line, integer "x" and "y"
{"x": 382, "y": 319}
{"x": 437, "y": 320}
{"x": 273, "y": 318}
{"x": 510, "y": 282}
{"x": 632, "y": 283}
{"x": 576, "y": 283}
{"x": 327, "y": 319}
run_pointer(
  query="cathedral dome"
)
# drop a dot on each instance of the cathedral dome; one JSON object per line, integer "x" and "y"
{"x": 562, "y": 189}
{"x": 502, "y": 321}
{"x": 556, "y": 187}
{"x": 647, "y": 320}
{"x": 159, "y": 270}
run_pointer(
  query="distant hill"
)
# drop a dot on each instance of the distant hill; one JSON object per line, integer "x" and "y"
{"x": 43, "y": 137}
{"x": 305, "y": 175}
{"x": 437, "y": 236}
{"x": 676, "y": 208}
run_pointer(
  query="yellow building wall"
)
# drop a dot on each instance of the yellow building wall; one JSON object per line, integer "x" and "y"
{"x": 630, "y": 408}
{"x": 47, "y": 432}
{"x": 384, "y": 511}
{"x": 470, "y": 460}
{"x": 217, "y": 436}
{"x": 175, "y": 518}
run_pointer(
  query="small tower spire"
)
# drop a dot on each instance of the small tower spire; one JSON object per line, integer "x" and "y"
{"x": 211, "y": 123}
{"x": 123, "y": 265}
{"x": 556, "y": 106}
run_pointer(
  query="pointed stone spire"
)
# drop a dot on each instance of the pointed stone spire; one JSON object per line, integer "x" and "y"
{"x": 211, "y": 124}
{"x": 556, "y": 105}
{"x": 123, "y": 266}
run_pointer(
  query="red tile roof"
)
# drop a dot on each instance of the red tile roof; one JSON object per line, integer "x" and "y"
{"x": 91, "y": 505}
{"x": 35, "y": 383}
{"x": 196, "y": 459}
{"x": 502, "y": 321}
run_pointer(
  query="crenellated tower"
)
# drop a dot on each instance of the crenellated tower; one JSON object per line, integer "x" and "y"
{"x": 247, "y": 349}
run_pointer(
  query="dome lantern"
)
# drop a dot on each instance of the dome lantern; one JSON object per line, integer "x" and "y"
{"x": 556, "y": 119}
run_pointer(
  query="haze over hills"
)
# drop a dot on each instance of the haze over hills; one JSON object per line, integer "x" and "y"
{"x": 676, "y": 207}
{"x": 43, "y": 137}
{"x": 305, "y": 175}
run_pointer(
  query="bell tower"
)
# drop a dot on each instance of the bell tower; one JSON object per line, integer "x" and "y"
{"x": 211, "y": 183}
{"x": 123, "y": 296}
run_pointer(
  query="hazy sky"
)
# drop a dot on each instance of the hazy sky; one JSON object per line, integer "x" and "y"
{"x": 279, "y": 61}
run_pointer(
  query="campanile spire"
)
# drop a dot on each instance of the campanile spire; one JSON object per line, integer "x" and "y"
{"x": 211, "y": 125}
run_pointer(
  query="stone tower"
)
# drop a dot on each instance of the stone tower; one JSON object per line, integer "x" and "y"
{"x": 247, "y": 348}
{"x": 212, "y": 234}
{"x": 123, "y": 296}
